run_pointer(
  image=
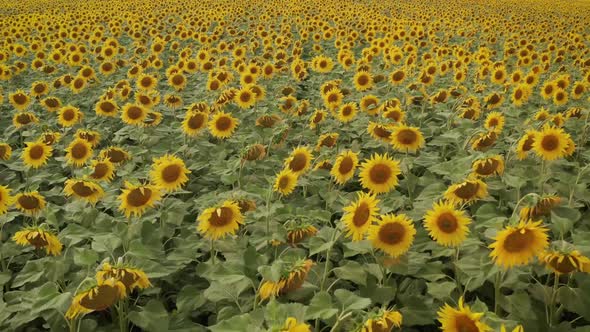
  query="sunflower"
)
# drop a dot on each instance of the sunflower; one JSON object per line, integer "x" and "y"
{"x": 560, "y": 97}
{"x": 50, "y": 137}
{"x": 379, "y": 174}
{"x": 133, "y": 114}
{"x": 98, "y": 298}
{"x": 131, "y": 277}
{"x": 494, "y": 100}
{"x": 102, "y": 170}
{"x": 36, "y": 154}
{"x": 370, "y": 104}
{"x": 222, "y": 125}
{"x": 446, "y": 225}
{"x": 5, "y": 151}
{"x": 177, "y": 81}
{"x": 69, "y": 116}
{"x": 218, "y": 221}
{"x": 518, "y": 245}
{"x": 285, "y": 182}
{"x": 90, "y": 136}
{"x": 245, "y": 98}
{"x": 548, "y": 90}
{"x": 30, "y": 203}
{"x": 466, "y": 192}
{"x": 292, "y": 325}
{"x": 78, "y": 152}
{"x": 146, "y": 82}
{"x": 525, "y": 144}
{"x": 383, "y": 321}
{"x": 397, "y": 77}
{"x": 115, "y": 155}
{"x": 347, "y": 112}
{"x": 106, "y": 107}
{"x": 484, "y": 141}
{"x": 22, "y": 119}
{"x": 493, "y": 165}
{"x": 5, "y": 199}
{"x": 78, "y": 84}
{"x": 39, "y": 237}
{"x": 84, "y": 190}
{"x": 299, "y": 232}
{"x": 51, "y": 104}
{"x": 299, "y": 160}
{"x": 550, "y": 143}
{"x": 333, "y": 98}
{"x": 359, "y": 216}
{"x": 406, "y": 139}
{"x": 393, "y": 234}
{"x": 344, "y": 167}
{"x": 292, "y": 278}
{"x": 328, "y": 140}
{"x": 578, "y": 90}
{"x": 380, "y": 132}
{"x": 39, "y": 89}
{"x": 194, "y": 122}
{"x": 316, "y": 118}
{"x": 135, "y": 199}
{"x": 494, "y": 122}
{"x": 566, "y": 262}
{"x": 19, "y": 100}
{"x": 169, "y": 173}
{"x": 461, "y": 319}
{"x": 541, "y": 208}
{"x": 394, "y": 113}
{"x": 363, "y": 81}
{"x": 254, "y": 152}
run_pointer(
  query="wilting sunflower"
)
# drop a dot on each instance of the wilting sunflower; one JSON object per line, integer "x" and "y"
{"x": 316, "y": 118}
{"x": 461, "y": 319}
{"x": 292, "y": 325}
{"x": 84, "y": 190}
{"x": 222, "y": 125}
{"x": 131, "y": 277}
{"x": 254, "y": 152}
{"x": 379, "y": 174}
{"x": 292, "y": 278}
{"x": 566, "y": 261}
{"x": 393, "y": 234}
{"x": 542, "y": 208}
{"x": 347, "y": 112}
{"x": 380, "y": 132}
{"x": 98, "y": 298}
{"x": 328, "y": 140}
{"x": 446, "y": 225}
{"x": 135, "y": 199}
{"x": 5, "y": 151}
{"x": 406, "y": 139}
{"x": 115, "y": 155}
{"x": 299, "y": 160}
{"x": 219, "y": 221}
{"x": 19, "y": 100}
{"x": 484, "y": 141}
{"x": 285, "y": 182}
{"x": 344, "y": 167}
{"x": 383, "y": 321}
{"x": 525, "y": 144}
{"x": 22, "y": 119}
{"x": 551, "y": 143}
{"x": 194, "y": 122}
{"x": 359, "y": 215}
{"x": 169, "y": 172}
{"x": 69, "y": 116}
{"x": 466, "y": 192}
{"x": 297, "y": 232}
{"x": 36, "y": 154}
{"x": 78, "y": 152}
{"x": 30, "y": 203}
{"x": 106, "y": 107}
{"x": 5, "y": 199}
{"x": 268, "y": 121}
{"x": 495, "y": 122}
{"x": 102, "y": 170}
{"x": 133, "y": 114}
{"x": 518, "y": 245}
{"x": 493, "y": 165}
{"x": 39, "y": 237}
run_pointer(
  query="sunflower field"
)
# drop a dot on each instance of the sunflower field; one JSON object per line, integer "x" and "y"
{"x": 295, "y": 166}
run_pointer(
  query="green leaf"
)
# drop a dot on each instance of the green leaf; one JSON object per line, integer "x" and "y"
{"x": 152, "y": 317}
{"x": 189, "y": 298}
{"x": 351, "y": 301}
{"x": 441, "y": 290}
{"x": 563, "y": 219}
{"x": 352, "y": 271}
{"x": 85, "y": 257}
{"x": 219, "y": 291}
{"x": 321, "y": 307}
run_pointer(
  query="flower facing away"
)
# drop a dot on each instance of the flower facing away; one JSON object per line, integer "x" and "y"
{"x": 39, "y": 238}
{"x": 292, "y": 278}
{"x": 383, "y": 321}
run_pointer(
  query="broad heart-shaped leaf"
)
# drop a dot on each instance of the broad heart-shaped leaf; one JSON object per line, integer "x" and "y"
{"x": 576, "y": 299}
{"x": 152, "y": 317}
{"x": 33, "y": 271}
{"x": 350, "y": 301}
{"x": 321, "y": 307}
{"x": 441, "y": 290}
{"x": 352, "y": 271}
{"x": 227, "y": 291}
{"x": 276, "y": 313}
{"x": 250, "y": 322}
{"x": 85, "y": 257}
{"x": 563, "y": 220}
{"x": 189, "y": 298}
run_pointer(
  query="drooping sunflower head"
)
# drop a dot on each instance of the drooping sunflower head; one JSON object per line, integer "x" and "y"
{"x": 5, "y": 151}
{"x": 36, "y": 154}
{"x": 285, "y": 182}
{"x": 316, "y": 118}
{"x": 344, "y": 167}
{"x": 566, "y": 261}
{"x": 98, "y": 298}
{"x": 447, "y": 225}
{"x": 484, "y": 141}
{"x": 254, "y": 152}
{"x": 130, "y": 276}
{"x": 519, "y": 245}
{"x": 359, "y": 215}
{"x": 6, "y": 199}
{"x": 406, "y": 139}
{"x": 382, "y": 321}
{"x": 299, "y": 231}
{"x": 461, "y": 319}
{"x": 525, "y": 144}
{"x": 219, "y": 221}
{"x": 268, "y": 121}
{"x": 78, "y": 152}
{"x": 490, "y": 166}
{"x": 169, "y": 173}
{"x": 379, "y": 173}
{"x": 85, "y": 190}
{"x": 466, "y": 192}
{"x": 380, "y": 132}
{"x": 50, "y": 137}
{"x": 222, "y": 125}
{"x": 102, "y": 170}
{"x": 370, "y": 104}
{"x": 327, "y": 140}
{"x": 299, "y": 161}
{"x": 136, "y": 199}
{"x": 30, "y": 203}
{"x": 550, "y": 143}
{"x": 91, "y": 136}
{"x": 39, "y": 237}
{"x": 540, "y": 208}
{"x": 115, "y": 155}
{"x": 393, "y": 234}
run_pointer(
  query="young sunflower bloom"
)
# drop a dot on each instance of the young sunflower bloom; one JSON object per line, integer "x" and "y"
{"x": 30, "y": 203}
{"x": 542, "y": 208}
{"x": 36, "y": 154}
{"x": 285, "y": 182}
{"x": 219, "y": 221}
{"x": 393, "y": 234}
{"x": 102, "y": 170}
{"x": 495, "y": 122}
{"x": 5, "y": 199}
{"x": 347, "y": 112}
{"x": 245, "y": 97}
{"x": 363, "y": 81}
{"x": 380, "y": 132}
{"x": 448, "y": 226}
{"x": 69, "y": 116}
{"x": 49, "y": 137}
{"x": 383, "y": 321}
{"x": 78, "y": 152}
{"x": 106, "y": 107}
{"x": 22, "y": 119}
{"x": 133, "y": 114}
{"x": 39, "y": 238}
{"x": 85, "y": 190}
{"x": 98, "y": 298}
{"x": 292, "y": 279}
{"x": 359, "y": 216}
{"x": 299, "y": 161}
{"x": 519, "y": 245}
{"x": 525, "y": 144}
{"x": 194, "y": 122}
{"x": 5, "y": 151}
{"x": 292, "y": 325}
{"x": 222, "y": 125}
{"x": 115, "y": 155}
{"x": 344, "y": 167}
{"x": 129, "y": 276}
{"x": 550, "y": 143}
{"x": 466, "y": 192}
{"x": 461, "y": 319}
{"x": 488, "y": 166}
{"x": 379, "y": 173}
{"x": 136, "y": 199}
{"x": 566, "y": 262}
{"x": 299, "y": 232}
{"x": 328, "y": 140}
{"x": 19, "y": 100}
{"x": 406, "y": 139}
{"x": 169, "y": 173}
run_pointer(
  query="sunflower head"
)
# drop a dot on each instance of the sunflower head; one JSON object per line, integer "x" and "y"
{"x": 359, "y": 216}
{"x": 85, "y": 190}
{"x": 30, "y": 203}
{"x": 219, "y": 221}
{"x": 379, "y": 173}
{"x": 299, "y": 231}
{"x": 461, "y": 319}
{"x": 406, "y": 139}
{"x": 488, "y": 166}
{"x": 39, "y": 237}
{"x": 344, "y": 167}
{"x": 222, "y": 125}
{"x": 5, "y": 151}
{"x": 6, "y": 199}
{"x": 540, "y": 208}
{"x": 520, "y": 244}
{"x": 447, "y": 225}
{"x": 382, "y": 321}
{"x": 130, "y": 276}
{"x": 299, "y": 160}
{"x": 550, "y": 143}
{"x": 100, "y": 297}
{"x": 102, "y": 170}
{"x": 566, "y": 261}
{"x": 285, "y": 182}
{"x": 393, "y": 234}
{"x": 466, "y": 192}
{"x": 136, "y": 199}
{"x": 36, "y": 154}
{"x": 78, "y": 152}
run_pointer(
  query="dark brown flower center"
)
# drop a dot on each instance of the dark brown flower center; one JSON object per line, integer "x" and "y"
{"x": 345, "y": 165}
{"x": 447, "y": 223}
{"x": 139, "y": 197}
{"x": 361, "y": 214}
{"x": 82, "y": 190}
{"x": 223, "y": 123}
{"x": 407, "y": 136}
{"x": 36, "y": 152}
{"x": 100, "y": 170}
{"x": 380, "y": 173}
{"x": 467, "y": 190}
{"x": 171, "y": 173}
{"x": 134, "y": 112}
{"x": 392, "y": 233}
{"x": 550, "y": 142}
{"x": 29, "y": 202}
{"x": 221, "y": 217}
{"x": 79, "y": 151}
{"x": 464, "y": 324}
{"x": 104, "y": 297}
{"x": 518, "y": 240}
{"x": 298, "y": 162}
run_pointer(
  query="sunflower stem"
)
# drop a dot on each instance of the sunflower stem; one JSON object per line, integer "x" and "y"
{"x": 554, "y": 310}
{"x": 542, "y": 177}
{"x": 497, "y": 293}
{"x": 213, "y": 253}
{"x": 329, "y": 250}
{"x": 456, "y": 269}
